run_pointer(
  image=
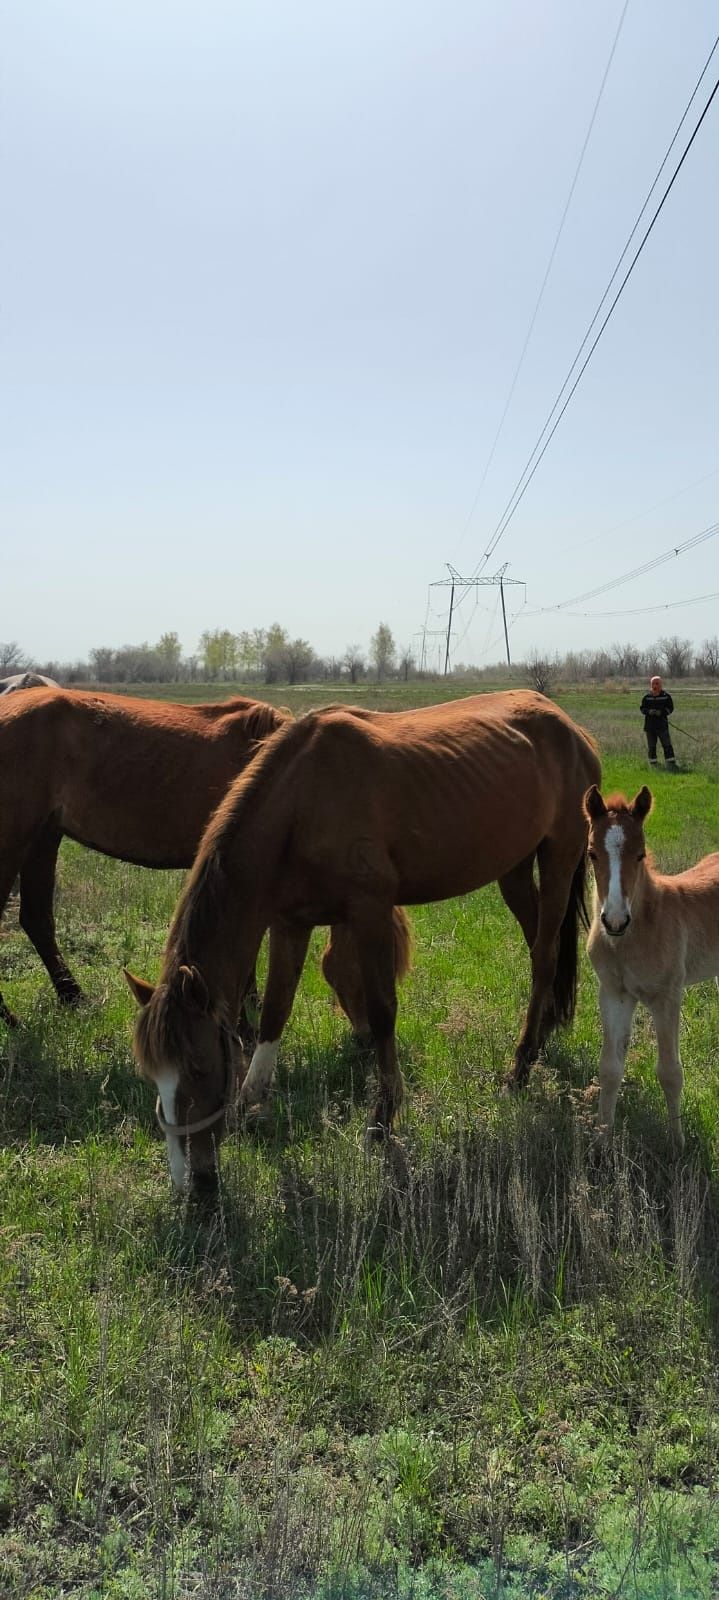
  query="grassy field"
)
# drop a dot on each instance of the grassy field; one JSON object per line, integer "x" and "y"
{"x": 482, "y": 1364}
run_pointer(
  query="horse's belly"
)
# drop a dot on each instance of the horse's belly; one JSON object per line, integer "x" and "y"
{"x": 445, "y": 874}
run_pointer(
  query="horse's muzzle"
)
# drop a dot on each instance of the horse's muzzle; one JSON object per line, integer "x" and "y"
{"x": 615, "y": 933}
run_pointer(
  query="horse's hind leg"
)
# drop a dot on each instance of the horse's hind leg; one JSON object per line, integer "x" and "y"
{"x": 557, "y": 868}
{"x": 288, "y": 948}
{"x": 373, "y": 929}
{"x": 520, "y": 893}
{"x": 8, "y": 870}
{"x": 37, "y": 888}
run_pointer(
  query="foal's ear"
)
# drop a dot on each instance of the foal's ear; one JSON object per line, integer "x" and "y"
{"x": 594, "y": 806}
{"x": 642, "y": 804}
{"x": 142, "y": 990}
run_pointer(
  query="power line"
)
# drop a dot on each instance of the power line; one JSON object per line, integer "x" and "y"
{"x": 545, "y": 279}
{"x": 641, "y": 611}
{"x": 529, "y": 470}
{"x": 627, "y": 522}
{"x": 636, "y": 572}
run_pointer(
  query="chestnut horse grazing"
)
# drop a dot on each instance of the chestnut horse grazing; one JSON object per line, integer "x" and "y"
{"x": 651, "y": 937}
{"x": 343, "y": 816}
{"x": 134, "y": 779}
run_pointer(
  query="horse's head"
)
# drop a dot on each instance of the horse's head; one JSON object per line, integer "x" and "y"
{"x": 617, "y": 851}
{"x": 187, "y": 1048}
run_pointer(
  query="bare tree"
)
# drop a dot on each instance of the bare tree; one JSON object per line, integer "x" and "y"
{"x": 353, "y": 662}
{"x": 12, "y": 658}
{"x": 707, "y": 660}
{"x": 539, "y": 671}
{"x": 677, "y": 655}
{"x": 407, "y": 663}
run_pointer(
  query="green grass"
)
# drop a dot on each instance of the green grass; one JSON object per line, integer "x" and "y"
{"x": 484, "y": 1364}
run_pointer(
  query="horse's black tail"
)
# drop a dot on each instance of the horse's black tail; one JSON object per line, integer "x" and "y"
{"x": 564, "y": 989}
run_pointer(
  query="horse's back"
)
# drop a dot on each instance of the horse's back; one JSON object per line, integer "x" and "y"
{"x": 133, "y": 778}
{"x": 441, "y": 799}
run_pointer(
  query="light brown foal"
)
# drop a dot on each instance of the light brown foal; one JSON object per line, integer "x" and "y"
{"x": 651, "y": 937}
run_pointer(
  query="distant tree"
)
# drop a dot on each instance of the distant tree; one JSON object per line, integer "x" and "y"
{"x": 169, "y": 652}
{"x": 13, "y": 658}
{"x": 707, "y": 659}
{"x": 627, "y": 659}
{"x": 407, "y": 663}
{"x": 353, "y": 662}
{"x": 539, "y": 671}
{"x": 276, "y": 641}
{"x": 676, "y": 655}
{"x": 219, "y": 651}
{"x": 102, "y": 662}
{"x": 297, "y": 660}
{"x": 382, "y": 651}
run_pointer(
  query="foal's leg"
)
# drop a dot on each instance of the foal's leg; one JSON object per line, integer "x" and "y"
{"x": 665, "y": 1013}
{"x": 617, "y": 1010}
{"x": 288, "y": 948}
{"x": 373, "y": 930}
{"x": 37, "y": 888}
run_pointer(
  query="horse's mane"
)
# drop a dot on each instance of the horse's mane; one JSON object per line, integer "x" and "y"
{"x": 206, "y": 886}
{"x": 619, "y": 804}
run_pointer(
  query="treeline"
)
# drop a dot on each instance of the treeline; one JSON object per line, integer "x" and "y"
{"x": 260, "y": 655}
{"x": 671, "y": 657}
{"x": 271, "y": 656}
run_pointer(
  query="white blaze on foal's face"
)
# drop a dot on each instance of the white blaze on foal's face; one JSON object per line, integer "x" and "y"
{"x": 616, "y": 912}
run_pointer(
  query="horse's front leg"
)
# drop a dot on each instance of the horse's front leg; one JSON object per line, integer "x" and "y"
{"x": 617, "y": 1010}
{"x": 373, "y": 929}
{"x": 288, "y": 948}
{"x": 665, "y": 1014}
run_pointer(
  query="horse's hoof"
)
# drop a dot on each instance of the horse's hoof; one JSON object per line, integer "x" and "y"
{"x": 253, "y": 1113}
{"x": 377, "y": 1132}
{"x": 203, "y": 1187}
{"x": 71, "y": 996}
{"x": 513, "y": 1084}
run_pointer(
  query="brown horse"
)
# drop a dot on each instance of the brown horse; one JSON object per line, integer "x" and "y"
{"x": 343, "y": 816}
{"x": 134, "y": 779}
{"x": 652, "y": 936}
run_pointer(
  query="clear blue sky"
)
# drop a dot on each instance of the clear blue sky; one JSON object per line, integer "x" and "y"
{"x": 266, "y": 274}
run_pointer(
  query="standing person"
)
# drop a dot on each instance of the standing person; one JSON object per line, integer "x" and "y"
{"x": 656, "y": 707}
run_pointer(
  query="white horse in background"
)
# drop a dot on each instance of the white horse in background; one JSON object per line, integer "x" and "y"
{"x": 651, "y": 937}
{"x": 26, "y": 680}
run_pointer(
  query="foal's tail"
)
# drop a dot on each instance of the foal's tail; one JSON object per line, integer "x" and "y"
{"x": 564, "y": 989}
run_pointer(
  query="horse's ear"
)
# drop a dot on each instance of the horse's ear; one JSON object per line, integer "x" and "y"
{"x": 642, "y": 804}
{"x": 142, "y": 990}
{"x": 193, "y": 988}
{"x": 594, "y": 806}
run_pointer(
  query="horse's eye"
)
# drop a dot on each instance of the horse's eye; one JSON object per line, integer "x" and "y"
{"x": 642, "y": 855}
{"x": 592, "y": 855}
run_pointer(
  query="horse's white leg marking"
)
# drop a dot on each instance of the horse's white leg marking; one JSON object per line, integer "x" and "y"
{"x": 615, "y": 907}
{"x": 665, "y": 1013}
{"x": 167, "y": 1090}
{"x": 258, "y": 1082}
{"x": 617, "y": 1010}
